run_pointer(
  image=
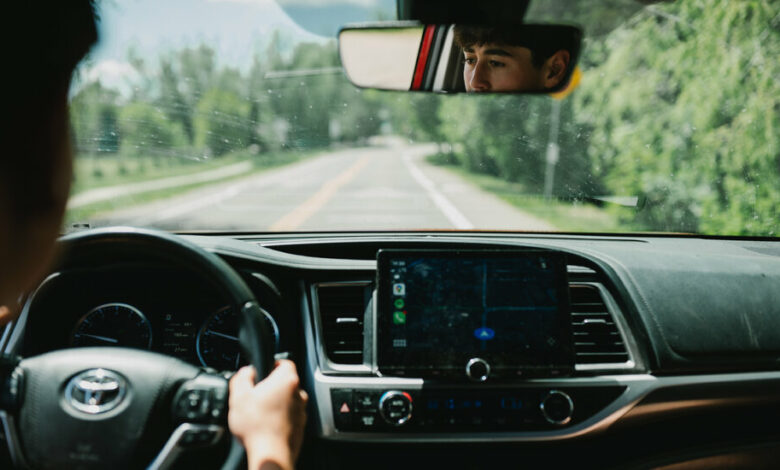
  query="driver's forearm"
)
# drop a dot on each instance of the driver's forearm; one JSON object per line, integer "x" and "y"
{"x": 269, "y": 456}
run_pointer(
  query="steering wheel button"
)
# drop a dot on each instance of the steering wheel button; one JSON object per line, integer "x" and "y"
{"x": 205, "y": 437}
{"x": 220, "y": 394}
{"x": 189, "y": 438}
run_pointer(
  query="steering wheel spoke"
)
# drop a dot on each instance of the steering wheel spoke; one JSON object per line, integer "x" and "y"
{"x": 185, "y": 437}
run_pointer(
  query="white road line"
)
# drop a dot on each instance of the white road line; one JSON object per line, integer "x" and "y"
{"x": 456, "y": 218}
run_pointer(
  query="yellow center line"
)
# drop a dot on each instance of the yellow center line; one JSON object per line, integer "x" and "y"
{"x": 295, "y": 218}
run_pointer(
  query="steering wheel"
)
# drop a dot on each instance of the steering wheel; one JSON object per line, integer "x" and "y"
{"x": 112, "y": 407}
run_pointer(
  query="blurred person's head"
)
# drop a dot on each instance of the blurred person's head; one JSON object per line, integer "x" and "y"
{"x": 44, "y": 43}
{"x": 520, "y": 58}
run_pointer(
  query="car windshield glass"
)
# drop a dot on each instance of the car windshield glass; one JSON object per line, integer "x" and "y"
{"x": 235, "y": 115}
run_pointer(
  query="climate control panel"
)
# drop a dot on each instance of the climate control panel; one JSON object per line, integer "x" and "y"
{"x": 468, "y": 410}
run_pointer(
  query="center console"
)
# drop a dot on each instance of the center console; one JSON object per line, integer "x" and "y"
{"x": 468, "y": 343}
{"x": 520, "y": 409}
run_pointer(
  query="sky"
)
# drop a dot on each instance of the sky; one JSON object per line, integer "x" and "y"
{"x": 235, "y": 29}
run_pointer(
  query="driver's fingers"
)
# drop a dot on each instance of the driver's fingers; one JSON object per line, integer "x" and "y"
{"x": 284, "y": 375}
{"x": 242, "y": 381}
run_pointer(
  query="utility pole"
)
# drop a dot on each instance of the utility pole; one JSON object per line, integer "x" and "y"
{"x": 552, "y": 149}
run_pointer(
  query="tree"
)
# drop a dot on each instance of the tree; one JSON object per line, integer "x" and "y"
{"x": 220, "y": 122}
{"x": 94, "y": 112}
{"x": 184, "y": 77}
{"x": 310, "y": 99}
{"x": 146, "y": 130}
{"x": 684, "y": 109}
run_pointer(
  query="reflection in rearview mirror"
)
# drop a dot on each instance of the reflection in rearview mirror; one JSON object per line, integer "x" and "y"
{"x": 460, "y": 58}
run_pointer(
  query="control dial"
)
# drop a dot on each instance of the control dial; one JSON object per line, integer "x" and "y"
{"x": 477, "y": 369}
{"x": 395, "y": 407}
{"x": 557, "y": 408}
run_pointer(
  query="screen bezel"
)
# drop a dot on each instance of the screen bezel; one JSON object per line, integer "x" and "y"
{"x": 389, "y": 362}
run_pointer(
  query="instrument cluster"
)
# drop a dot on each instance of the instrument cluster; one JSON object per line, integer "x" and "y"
{"x": 210, "y": 342}
{"x": 160, "y": 309}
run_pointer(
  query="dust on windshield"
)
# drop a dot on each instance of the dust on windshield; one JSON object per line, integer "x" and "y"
{"x": 228, "y": 115}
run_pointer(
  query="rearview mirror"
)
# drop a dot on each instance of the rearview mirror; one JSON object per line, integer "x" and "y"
{"x": 460, "y": 58}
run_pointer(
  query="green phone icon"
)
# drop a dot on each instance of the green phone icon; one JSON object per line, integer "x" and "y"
{"x": 399, "y": 318}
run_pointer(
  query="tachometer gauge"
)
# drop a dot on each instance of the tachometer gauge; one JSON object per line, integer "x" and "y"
{"x": 217, "y": 342}
{"x": 113, "y": 324}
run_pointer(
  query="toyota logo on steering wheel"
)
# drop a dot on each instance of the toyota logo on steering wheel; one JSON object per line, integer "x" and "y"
{"x": 95, "y": 391}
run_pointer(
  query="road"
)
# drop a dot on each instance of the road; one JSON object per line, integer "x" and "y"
{"x": 372, "y": 188}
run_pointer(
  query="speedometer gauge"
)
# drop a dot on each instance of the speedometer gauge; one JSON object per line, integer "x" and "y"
{"x": 217, "y": 342}
{"x": 113, "y": 324}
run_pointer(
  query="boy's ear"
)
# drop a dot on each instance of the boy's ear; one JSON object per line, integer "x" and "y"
{"x": 555, "y": 68}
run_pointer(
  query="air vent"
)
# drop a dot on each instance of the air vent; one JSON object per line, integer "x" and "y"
{"x": 596, "y": 337}
{"x": 341, "y": 309}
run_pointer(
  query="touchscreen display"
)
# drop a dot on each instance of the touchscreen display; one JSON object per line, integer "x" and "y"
{"x": 438, "y": 310}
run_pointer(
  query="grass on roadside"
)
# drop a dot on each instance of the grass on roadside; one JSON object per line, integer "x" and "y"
{"x": 259, "y": 163}
{"x": 91, "y": 171}
{"x": 565, "y": 216}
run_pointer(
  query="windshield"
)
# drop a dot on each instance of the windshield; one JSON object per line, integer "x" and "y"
{"x": 235, "y": 115}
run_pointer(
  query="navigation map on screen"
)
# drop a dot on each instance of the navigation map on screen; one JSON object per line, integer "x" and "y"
{"x": 443, "y": 310}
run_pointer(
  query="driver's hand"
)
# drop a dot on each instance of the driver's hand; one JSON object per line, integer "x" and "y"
{"x": 268, "y": 418}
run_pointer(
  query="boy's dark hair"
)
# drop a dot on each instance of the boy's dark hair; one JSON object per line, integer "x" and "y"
{"x": 542, "y": 40}
{"x": 45, "y": 41}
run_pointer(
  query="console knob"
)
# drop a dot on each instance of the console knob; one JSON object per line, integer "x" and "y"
{"x": 477, "y": 369}
{"x": 557, "y": 407}
{"x": 395, "y": 407}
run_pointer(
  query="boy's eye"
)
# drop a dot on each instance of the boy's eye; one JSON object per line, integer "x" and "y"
{"x": 495, "y": 63}
{"x": 471, "y": 60}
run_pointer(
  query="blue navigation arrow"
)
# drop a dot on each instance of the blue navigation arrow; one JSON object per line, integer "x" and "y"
{"x": 484, "y": 333}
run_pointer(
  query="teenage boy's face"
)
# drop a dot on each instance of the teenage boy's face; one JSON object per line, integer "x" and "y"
{"x": 500, "y": 68}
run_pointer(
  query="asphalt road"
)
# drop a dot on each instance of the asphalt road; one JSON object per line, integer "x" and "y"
{"x": 372, "y": 188}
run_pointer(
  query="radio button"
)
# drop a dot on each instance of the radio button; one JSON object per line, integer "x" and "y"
{"x": 366, "y": 401}
{"x": 477, "y": 369}
{"x": 557, "y": 408}
{"x": 395, "y": 407}
{"x": 367, "y": 420}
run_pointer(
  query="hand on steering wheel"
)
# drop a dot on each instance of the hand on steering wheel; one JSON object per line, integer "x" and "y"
{"x": 268, "y": 418}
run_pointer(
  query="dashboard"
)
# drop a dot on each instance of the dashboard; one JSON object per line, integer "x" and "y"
{"x": 654, "y": 350}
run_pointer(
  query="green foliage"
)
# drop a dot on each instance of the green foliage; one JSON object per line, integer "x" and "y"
{"x": 220, "y": 121}
{"x": 508, "y": 136}
{"x": 310, "y": 101}
{"x": 146, "y": 129}
{"x": 690, "y": 118}
{"x": 94, "y": 119}
{"x": 679, "y": 104}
